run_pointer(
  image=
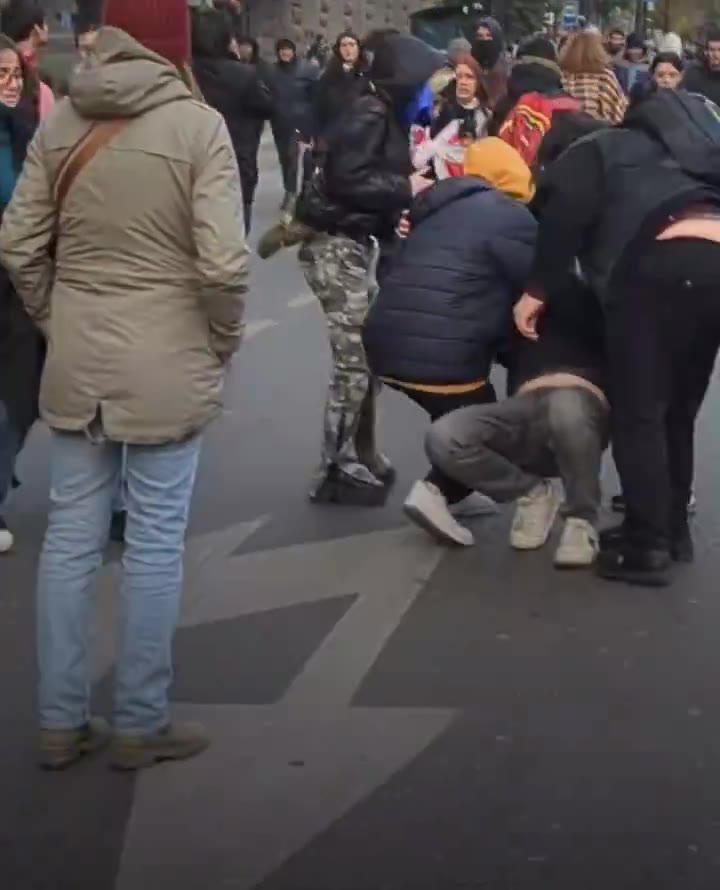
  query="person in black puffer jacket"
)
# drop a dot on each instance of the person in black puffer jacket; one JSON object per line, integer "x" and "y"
{"x": 366, "y": 182}
{"x": 235, "y": 90}
{"x": 446, "y": 303}
{"x": 340, "y": 83}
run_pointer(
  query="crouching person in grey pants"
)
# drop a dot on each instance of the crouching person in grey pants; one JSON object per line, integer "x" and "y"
{"x": 554, "y": 424}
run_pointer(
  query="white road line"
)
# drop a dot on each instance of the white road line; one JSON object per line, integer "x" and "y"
{"x": 301, "y": 300}
{"x": 255, "y": 327}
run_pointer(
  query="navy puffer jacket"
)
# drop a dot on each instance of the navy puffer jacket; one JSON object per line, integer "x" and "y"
{"x": 446, "y": 301}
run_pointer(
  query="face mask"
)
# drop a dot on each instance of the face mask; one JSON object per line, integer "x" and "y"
{"x": 486, "y": 53}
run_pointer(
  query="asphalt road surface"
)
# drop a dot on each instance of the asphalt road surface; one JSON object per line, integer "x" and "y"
{"x": 386, "y": 715}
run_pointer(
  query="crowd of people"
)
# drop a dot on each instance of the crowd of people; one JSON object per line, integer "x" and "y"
{"x": 556, "y": 214}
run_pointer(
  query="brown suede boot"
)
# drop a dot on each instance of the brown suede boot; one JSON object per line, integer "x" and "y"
{"x": 60, "y": 748}
{"x": 177, "y": 741}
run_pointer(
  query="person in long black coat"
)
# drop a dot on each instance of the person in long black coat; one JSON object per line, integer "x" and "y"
{"x": 343, "y": 80}
{"x": 22, "y": 348}
{"x": 236, "y": 91}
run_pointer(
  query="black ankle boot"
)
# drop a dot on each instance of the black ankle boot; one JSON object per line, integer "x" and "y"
{"x": 342, "y": 489}
{"x": 622, "y": 560}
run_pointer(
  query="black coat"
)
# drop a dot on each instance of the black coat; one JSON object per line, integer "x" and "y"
{"x": 236, "y": 91}
{"x": 293, "y": 84}
{"x": 22, "y": 347}
{"x": 446, "y": 302}
{"x": 367, "y": 163}
{"x": 334, "y": 93}
{"x": 367, "y": 169}
{"x": 700, "y": 79}
{"x": 604, "y": 200}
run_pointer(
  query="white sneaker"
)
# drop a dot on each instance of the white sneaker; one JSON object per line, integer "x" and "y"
{"x": 475, "y": 504}
{"x": 426, "y": 507}
{"x": 534, "y": 517}
{"x": 7, "y": 541}
{"x": 579, "y": 545}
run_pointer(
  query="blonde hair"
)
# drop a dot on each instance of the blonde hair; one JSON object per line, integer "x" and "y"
{"x": 584, "y": 53}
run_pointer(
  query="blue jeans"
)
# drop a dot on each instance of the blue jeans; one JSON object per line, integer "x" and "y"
{"x": 84, "y": 482}
{"x": 9, "y": 448}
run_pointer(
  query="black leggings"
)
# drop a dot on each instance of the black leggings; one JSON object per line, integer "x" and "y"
{"x": 663, "y": 334}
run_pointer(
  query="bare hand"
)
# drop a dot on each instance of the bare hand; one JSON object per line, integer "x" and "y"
{"x": 419, "y": 182}
{"x": 526, "y": 313}
{"x": 404, "y": 227}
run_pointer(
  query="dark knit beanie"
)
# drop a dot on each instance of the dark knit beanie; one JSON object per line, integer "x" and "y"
{"x": 538, "y": 46}
{"x": 162, "y": 26}
{"x": 634, "y": 41}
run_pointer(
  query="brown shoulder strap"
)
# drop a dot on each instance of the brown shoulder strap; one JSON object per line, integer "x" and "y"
{"x": 98, "y": 136}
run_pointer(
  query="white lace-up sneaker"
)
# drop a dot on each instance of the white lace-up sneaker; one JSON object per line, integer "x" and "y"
{"x": 7, "y": 540}
{"x": 475, "y": 504}
{"x": 534, "y": 517}
{"x": 579, "y": 545}
{"x": 426, "y": 507}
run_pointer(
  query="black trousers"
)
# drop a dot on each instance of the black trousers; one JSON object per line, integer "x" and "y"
{"x": 247, "y": 158}
{"x": 438, "y": 405}
{"x": 286, "y": 143}
{"x": 663, "y": 335}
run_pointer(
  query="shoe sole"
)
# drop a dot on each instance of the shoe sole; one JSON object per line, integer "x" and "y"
{"x": 620, "y": 509}
{"x": 144, "y": 759}
{"x": 417, "y": 517}
{"x": 333, "y": 492}
{"x": 569, "y": 564}
{"x": 55, "y": 763}
{"x": 635, "y": 578}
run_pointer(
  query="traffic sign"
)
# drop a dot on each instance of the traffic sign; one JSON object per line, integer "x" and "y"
{"x": 570, "y": 14}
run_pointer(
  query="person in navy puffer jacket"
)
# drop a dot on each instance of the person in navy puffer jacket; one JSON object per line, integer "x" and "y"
{"x": 445, "y": 304}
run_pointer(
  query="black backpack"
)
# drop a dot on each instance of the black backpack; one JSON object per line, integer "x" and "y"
{"x": 687, "y": 125}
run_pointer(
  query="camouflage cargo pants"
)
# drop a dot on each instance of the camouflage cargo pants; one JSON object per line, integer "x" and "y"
{"x": 340, "y": 272}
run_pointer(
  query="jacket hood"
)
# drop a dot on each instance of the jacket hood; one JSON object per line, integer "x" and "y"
{"x": 445, "y": 192}
{"x": 494, "y": 26}
{"x": 229, "y": 73}
{"x": 401, "y": 65}
{"x": 488, "y": 52}
{"x": 498, "y": 163}
{"x": 536, "y": 76}
{"x": 121, "y": 78}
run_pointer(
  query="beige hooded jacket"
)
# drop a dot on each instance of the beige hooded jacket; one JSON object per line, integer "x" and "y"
{"x": 142, "y": 296}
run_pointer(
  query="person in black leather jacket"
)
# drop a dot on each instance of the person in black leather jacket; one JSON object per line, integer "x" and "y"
{"x": 235, "y": 90}
{"x": 367, "y": 183}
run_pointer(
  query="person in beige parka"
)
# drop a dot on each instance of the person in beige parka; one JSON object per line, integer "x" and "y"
{"x": 125, "y": 241}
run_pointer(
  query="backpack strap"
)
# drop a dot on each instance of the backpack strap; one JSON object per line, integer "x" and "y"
{"x": 98, "y": 136}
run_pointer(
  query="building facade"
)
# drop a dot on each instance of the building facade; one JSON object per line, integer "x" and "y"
{"x": 302, "y": 20}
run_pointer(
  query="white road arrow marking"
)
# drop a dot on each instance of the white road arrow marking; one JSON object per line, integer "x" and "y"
{"x": 277, "y": 776}
{"x": 302, "y": 300}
